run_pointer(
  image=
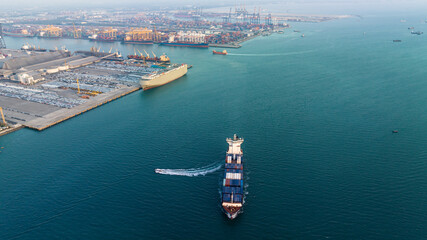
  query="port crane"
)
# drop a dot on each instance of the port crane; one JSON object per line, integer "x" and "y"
{"x": 142, "y": 55}
{"x": 2, "y": 116}
{"x": 76, "y": 33}
{"x": 148, "y": 55}
{"x": 78, "y": 87}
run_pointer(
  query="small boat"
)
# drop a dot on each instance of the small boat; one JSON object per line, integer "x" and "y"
{"x": 297, "y": 31}
{"x": 158, "y": 170}
{"x": 395, "y": 131}
{"x": 397, "y": 40}
{"x": 410, "y": 28}
{"x": 220, "y": 53}
{"x": 302, "y": 35}
{"x": 417, "y": 32}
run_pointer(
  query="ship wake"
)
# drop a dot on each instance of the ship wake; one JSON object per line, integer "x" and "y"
{"x": 191, "y": 172}
{"x": 269, "y": 54}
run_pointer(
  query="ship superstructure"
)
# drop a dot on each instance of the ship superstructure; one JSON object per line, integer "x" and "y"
{"x": 232, "y": 186}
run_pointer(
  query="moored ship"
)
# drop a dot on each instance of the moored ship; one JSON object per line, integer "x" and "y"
{"x": 157, "y": 80}
{"x": 18, "y": 34}
{"x": 164, "y": 59}
{"x": 185, "y": 44}
{"x": 232, "y": 187}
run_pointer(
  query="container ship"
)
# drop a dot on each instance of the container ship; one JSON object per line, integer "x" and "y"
{"x": 232, "y": 186}
{"x": 185, "y": 44}
{"x": 157, "y": 80}
{"x": 18, "y": 33}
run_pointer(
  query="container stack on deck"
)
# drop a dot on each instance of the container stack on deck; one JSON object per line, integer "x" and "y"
{"x": 232, "y": 187}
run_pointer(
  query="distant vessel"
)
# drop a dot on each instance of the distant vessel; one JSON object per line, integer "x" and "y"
{"x": 185, "y": 44}
{"x": 158, "y": 170}
{"x": 397, "y": 40}
{"x": 220, "y": 53}
{"x": 395, "y": 131}
{"x": 417, "y": 32}
{"x": 158, "y": 80}
{"x": 28, "y": 47}
{"x": 18, "y": 34}
{"x": 232, "y": 186}
{"x": 162, "y": 59}
{"x": 410, "y": 28}
{"x": 302, "y": 35}
{"x": 146, "y": 42}
{"x": 297, "y": 31}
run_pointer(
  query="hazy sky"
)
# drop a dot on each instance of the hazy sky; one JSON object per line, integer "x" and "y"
{"x": 297, "y": 6}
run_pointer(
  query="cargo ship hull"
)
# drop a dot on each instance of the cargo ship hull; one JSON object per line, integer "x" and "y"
{"x": 21, "y": 35}
{"x": 139, "y": 42}
{"x": 182, "y": 44}
{"x": 164, "y": 78}
{"x": 233, "y": 186}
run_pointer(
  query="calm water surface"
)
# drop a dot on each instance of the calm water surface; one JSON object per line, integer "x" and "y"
{"x": 316, "y": 114}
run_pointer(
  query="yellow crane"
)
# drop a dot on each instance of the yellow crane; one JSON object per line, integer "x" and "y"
{"x": 78, "y": 87}
{"x": 148, "y": 55}
{"x": 76, "y": 33}
{"x": 142, "y": 55}
{"x": 2, "y": 116}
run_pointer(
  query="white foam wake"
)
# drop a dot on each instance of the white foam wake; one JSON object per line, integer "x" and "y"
{"x": 191, "y": 172}
{"x": 269, "y": 54}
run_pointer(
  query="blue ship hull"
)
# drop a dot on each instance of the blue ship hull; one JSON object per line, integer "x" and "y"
{"x": 182, "y": 44}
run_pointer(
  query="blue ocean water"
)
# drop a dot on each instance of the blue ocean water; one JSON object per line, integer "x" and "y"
{"x": 317, "y": 115}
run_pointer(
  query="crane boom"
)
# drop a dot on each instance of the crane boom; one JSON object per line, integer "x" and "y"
{"x": 140, "y": 53}
{"x": 153, "y": 54}
{"x": 2, "y": 115}
{"x": 148, "y": 55}
{"x": 78, "y": 87}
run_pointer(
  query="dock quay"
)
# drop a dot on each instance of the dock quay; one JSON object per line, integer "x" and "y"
{"x": 11, "y": 129}
{"x": 64, "y": 114}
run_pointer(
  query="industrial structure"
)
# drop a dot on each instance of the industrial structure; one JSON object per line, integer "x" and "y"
{"x": 2, "y": 117}
{"x": 50, "y": 32}
{"x": 29, "y": 67}
{"x": 2, "y": 42}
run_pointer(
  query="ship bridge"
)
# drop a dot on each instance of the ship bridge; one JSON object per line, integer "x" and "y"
{"x": 234, "y": 145}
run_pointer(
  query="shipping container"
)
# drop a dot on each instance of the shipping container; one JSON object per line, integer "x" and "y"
{"x": 226, "y": 197}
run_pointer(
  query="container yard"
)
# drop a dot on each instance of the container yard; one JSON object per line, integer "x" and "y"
{"x": 38, "y": 90}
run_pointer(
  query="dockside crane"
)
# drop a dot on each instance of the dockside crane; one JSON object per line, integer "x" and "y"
{"x": 2, "y": 116}
{"x": 142, "y": 55}
{"x": 148, "y": 55}
{"x": 78, "y": 87}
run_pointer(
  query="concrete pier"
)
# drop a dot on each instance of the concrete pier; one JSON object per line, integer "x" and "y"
{"x": 64, "y": 114}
